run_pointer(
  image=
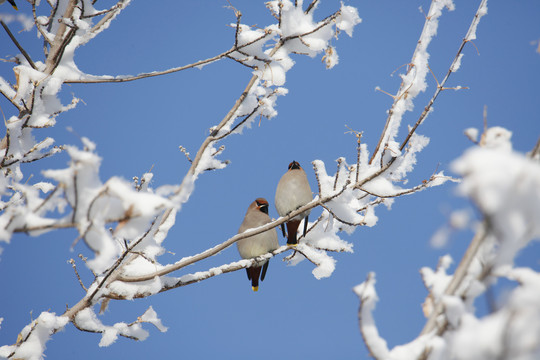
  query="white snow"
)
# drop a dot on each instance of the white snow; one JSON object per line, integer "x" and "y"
{"x": 472, "y": 134}
{"x": 86, "y": 319}
{"x": 37, "y": 333}
{"x": 437, "y": 281}
{"x": 349, "y": 19}
{"x": 505, "y": 185}
{"x": 150, "y": 316}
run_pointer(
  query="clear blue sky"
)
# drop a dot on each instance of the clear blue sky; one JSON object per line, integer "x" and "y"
{"x": 140, "y": 124}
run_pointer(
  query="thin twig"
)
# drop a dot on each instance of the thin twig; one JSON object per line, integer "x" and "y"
{"x": 315, "y": 170}
{"x": 311, "y": 6}
{"x": 298, "y": 250}
{"x": 339, "y": 162}
{"x": 11, "y": 100}
{"x": 72, "y": 262}
{"x": 120, "y": 260}
{"x": 21, "y": 49}
{"x": 116, "y": 79}
{"x": 361, "y": 223}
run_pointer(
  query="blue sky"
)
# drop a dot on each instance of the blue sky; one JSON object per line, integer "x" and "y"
{"x": 139, "y": 125}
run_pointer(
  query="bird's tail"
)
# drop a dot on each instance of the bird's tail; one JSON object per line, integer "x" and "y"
{"x": 253, "y": 275}
{"x": 292, "y": 228}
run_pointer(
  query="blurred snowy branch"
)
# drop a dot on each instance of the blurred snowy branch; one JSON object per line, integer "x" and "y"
{"x": 504, "y": 185}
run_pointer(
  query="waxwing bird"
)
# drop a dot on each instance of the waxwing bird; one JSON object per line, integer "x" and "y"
{"x": 293, "y": 191}
{"x": 256, "y": 245}
{"x": 11, "y": 2}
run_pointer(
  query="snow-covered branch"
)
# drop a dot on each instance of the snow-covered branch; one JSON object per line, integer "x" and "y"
{"x": 414, "y": 81}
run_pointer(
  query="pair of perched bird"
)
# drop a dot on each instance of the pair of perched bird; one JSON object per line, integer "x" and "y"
{"x": 11, "y": 2}
{"x": 293, "y": 191}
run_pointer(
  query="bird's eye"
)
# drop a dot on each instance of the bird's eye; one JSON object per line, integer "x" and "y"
{"x": 264, "y": 208}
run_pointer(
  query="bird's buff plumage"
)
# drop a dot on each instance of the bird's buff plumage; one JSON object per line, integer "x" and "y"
{"x": 256, "y": 245}
{"x": 293, "y": 191}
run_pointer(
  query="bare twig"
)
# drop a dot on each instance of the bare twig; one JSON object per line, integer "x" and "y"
{"x": 21, "y": 49}
{"x": 311, "y": 6}
{"x": 72, "y": 262}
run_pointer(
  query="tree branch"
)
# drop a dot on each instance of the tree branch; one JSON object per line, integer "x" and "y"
{"x": 21, "y": 49}
{"x": 127, "y": 78}
{"x": 60, "y": 42}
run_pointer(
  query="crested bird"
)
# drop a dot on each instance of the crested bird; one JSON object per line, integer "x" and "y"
{"x": 11, "y": 2}
{"x": 293, "y": 191}
{"x": 256, "y": 245}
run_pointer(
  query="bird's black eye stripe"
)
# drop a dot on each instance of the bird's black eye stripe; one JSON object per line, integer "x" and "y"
{"x": 264, "y": 208}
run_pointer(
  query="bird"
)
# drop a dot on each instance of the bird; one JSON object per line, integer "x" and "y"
{"x": 11, "y": 2}
{"x": 256, "y": 245}
{"x": 293, "y": 191}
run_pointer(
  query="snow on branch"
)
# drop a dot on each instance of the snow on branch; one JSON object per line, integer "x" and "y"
{"x": 368, "y": 299}
{"x": 86, "y": 320}
{"x": 414, "y": 81}
{"x": 33, "y": 337}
